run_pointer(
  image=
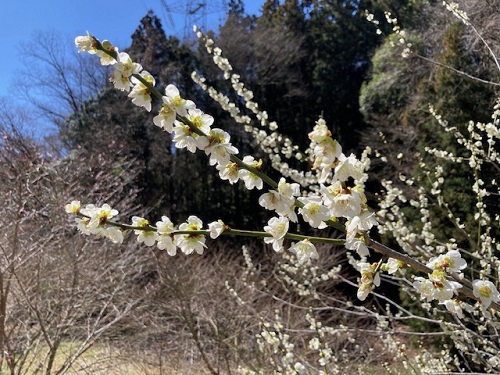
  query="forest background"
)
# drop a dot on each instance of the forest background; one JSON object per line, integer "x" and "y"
{"x": 62, "y": 293}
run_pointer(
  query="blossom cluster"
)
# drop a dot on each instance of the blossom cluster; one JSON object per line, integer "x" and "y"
{"x": 369, "y": 279}
{"x": 454, "y": 8}
{"x": 93, "y": 220}
{"x": 439, "y": 286}
{"x": 190, "y": 127}
{"x": 189, "y": 237}
{"x": 333, "y": 200}
{"x": 401, "y": 37}
{"x": 278, "y": 345}
{"x": 341, "y": 198}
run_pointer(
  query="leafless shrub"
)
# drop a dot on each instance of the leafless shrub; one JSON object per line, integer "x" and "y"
{"x": 212, "y": 309}
{"x": 55, "y": 285}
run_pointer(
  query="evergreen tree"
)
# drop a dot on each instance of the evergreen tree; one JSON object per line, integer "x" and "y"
{"x": 396, "y": 103}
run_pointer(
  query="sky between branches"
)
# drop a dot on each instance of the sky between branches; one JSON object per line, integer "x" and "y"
{"x": 115, "y": 20}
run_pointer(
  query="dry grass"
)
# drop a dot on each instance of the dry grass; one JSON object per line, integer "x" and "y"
{"x": 105, "y": 359}
{"x": 111, "y": 361}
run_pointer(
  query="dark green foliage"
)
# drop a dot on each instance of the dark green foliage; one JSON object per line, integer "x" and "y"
{"x": 460, "y": 100}
{"x": 303, "y": 59}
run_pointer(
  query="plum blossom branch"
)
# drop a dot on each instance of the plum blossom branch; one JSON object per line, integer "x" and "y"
{"x": 340, "y": 201}
{"x": 226, "y": 230}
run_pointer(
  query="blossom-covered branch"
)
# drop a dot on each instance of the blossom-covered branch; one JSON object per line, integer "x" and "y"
{"x": 339, "y": 201}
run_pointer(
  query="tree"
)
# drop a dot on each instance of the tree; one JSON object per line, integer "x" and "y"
{"x": 58, "y": 295}
{"x": 440, "y": 72}
{"x": 55, "y": 81}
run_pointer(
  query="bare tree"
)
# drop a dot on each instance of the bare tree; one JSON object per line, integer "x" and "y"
{"x": 55, "y": 79}
{"x": 56, "y": 287}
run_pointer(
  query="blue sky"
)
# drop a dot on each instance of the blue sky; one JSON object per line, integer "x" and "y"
{"x": 115, "y": 20}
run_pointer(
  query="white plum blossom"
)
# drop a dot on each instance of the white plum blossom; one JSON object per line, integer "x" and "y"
{"x": 314, "y": 212}
{"x": 107, "y": 58}
{"x": 320, "y": 131}
{"x": 98, "y": 216}
{"x": 120, "y": 82}
{"x": 369, "y": 279}
{"x": 166, "y": 242}
{"x": 299, "y": 367}
{"x": 283, "y": 200}
{"x": 348, "y": 167}
{"x": 185, "y": 137}
{"x": 288, "y": 190}
{"x": 452, "y": 261}
{"x": 424, "y": 287}
{"x": 164, "y": 235}
{"x": 324, "y": 147}
{"x": 165, "y": 118}
{"x": 250, "y": 179}
{"x": 342, "y": 202}
{"x": 229, "y": 172}
{"x": 173, "y": 99}
{"x": 219, "y": 148}
{"x": 437, "y": 286}
{"x": 115, "y": 234}
{"x": 327, "y": 152}
{"x": 271, "y": 201}
{"x": 148, "y": 237}
{"x": 486, "y": 291}
{"x": 140, "y": 93}
{"x": 278, "y": 228}
{"x": 73, "y": 207}
{"x": 368, "y": 273}
{"x": 95, "y": 221}
{"x": 363, "y": 291}
{"x": 453, "y": 306}
{"x": 124, "y": 68}
{"x": 88, "y": 44}
{"x": 445, "y": 290}
{"x": 324, "y": 167}
{"x": 216, "y": 228}
{"x": 85, "y": 43}
{"x": 363, "y": 222}
{"x": 88, "y": 210}
{"x": 358, "y": 245}
{"x": 393, "y": 265}
{"x": 188, "y": 243}
{"x": 82, "y": 225}
{"x": 200, "y": 120}
{"x": 314, "y": 343}
{"x": 304, "y": 250}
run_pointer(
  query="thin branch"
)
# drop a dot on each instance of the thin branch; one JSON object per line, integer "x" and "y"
{"x": 461, "y": 72}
